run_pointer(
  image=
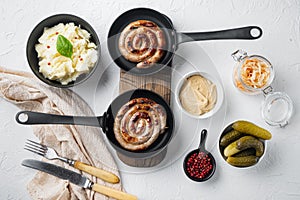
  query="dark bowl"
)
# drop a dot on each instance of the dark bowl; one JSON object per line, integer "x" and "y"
{"x": 37, "y": 32}
{"x": 213, "y": 162}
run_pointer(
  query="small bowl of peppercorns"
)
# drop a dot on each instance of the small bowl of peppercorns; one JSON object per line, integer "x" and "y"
{"x": 199, "y": 165}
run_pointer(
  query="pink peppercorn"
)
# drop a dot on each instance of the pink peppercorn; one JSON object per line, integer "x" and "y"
{"x": 199, "y": 165}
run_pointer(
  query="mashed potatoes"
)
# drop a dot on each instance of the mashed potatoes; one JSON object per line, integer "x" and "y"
{"x": 55, "y": 66}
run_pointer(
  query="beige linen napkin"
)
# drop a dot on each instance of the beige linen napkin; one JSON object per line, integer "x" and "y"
{"x": 77, "y": 142}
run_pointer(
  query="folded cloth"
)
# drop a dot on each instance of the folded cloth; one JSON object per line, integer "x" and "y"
{"x": 82, "y": 143}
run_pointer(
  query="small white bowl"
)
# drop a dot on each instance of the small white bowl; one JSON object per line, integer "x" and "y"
{"x": 221, "y": 149}
{"x": 220, "y": 94}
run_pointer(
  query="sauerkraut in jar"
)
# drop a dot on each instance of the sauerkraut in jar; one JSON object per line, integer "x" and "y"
{"x": 252, "y": 74}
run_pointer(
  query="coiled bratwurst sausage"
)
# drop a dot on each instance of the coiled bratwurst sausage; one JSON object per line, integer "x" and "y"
{"x": 138, "y": 123}
{"x": 142, "y": 42}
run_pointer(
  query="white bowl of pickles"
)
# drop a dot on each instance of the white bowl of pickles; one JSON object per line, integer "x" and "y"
{"x": 243, "y": 144}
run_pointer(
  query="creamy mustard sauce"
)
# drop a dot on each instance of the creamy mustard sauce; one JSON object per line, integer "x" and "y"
{"x": 198, "y": 95}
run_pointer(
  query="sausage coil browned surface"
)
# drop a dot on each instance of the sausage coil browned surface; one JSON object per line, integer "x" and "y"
{"x": 138, "y": 123}
{"x": 142, "y": 42}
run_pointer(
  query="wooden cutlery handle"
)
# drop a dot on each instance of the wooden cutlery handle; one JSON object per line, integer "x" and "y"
{"x": 117, "y": 194}
{"x": 99, "y": 173}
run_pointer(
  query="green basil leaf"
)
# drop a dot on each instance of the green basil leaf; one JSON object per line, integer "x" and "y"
{"x": 64, "y": 46}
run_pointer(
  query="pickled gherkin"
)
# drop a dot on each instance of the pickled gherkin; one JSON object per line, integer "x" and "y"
{"x": 245, "y": 161}
{"x": 246, "y": 152}
{"x": 251, "y": 129}
{"x": 230, "y": 137}
{"x": 244, "y": 143}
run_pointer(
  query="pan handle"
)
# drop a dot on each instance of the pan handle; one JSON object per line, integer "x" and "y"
{"x": 202, "y": 139}
{"x": 245, "y": 33}
{"x": 31, "y": 118}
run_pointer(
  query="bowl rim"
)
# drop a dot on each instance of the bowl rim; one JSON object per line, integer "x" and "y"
{"x": 222, "y": 155}
{"x": 40, "y": 76}
{"x": 220, "y": 94}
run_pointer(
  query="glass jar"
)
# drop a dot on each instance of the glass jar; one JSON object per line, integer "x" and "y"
{"x": 254, "y": 75}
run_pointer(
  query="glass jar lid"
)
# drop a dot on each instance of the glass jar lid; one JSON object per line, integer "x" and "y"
{"x": 277, "y": 109}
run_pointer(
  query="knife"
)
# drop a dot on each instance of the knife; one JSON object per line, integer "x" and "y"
{"x": 77, "y": 179}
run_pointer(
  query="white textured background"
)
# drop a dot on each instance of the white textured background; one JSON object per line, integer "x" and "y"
{"x": 277, "y": 177}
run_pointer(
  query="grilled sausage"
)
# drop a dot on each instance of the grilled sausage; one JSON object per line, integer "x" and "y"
{"x": 142, "y": 42}
{"x": 138, "y": 123}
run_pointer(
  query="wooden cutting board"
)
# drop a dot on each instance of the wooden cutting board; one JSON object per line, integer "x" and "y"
{"x": 160, "y": 83}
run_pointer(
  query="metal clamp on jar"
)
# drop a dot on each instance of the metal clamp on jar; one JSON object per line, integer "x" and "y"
{"x": 254, "y": 75}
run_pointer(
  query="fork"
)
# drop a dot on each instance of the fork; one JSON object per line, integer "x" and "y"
{"x": 51, "y": 154}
